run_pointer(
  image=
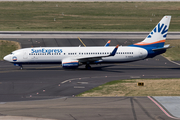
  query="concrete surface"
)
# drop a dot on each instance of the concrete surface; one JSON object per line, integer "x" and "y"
{"x": 170, "y": 103}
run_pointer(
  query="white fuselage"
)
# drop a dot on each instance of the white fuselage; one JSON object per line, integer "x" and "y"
{"x": 58, "y": 54}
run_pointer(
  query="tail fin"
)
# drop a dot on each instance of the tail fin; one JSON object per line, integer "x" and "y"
{"x": 157, "y": 36}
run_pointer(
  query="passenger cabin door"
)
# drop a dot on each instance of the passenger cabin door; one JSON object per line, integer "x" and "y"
{"x": 141, "y": 53}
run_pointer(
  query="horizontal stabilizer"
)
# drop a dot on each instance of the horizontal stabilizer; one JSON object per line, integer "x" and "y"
{"x": 162, "y": 48}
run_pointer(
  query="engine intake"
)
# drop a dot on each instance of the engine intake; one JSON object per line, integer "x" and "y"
{"x": 70, "y": 63}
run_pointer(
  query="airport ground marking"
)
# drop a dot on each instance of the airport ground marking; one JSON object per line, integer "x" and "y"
{"x": 172, "y": 61}
{"x": 161, "y": 108}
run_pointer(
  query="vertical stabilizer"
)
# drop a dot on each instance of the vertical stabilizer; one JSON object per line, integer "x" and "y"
{"x": 158, "y": 34}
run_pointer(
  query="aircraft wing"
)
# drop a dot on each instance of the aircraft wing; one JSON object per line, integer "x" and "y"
{"x": 96, "y": 58}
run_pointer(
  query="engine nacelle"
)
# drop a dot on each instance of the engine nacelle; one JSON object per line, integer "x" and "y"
{"x": 70, "y": 63}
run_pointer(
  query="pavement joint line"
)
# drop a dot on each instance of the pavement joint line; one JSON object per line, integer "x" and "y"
{"x": 49, "y": 67}
{"x": 82, "y": 82}
{"x": 135, "y": 76}
{"x": 9, "y": 71}
{"x": 2, "y": 103}
{"x": 143, "y": 65}
{"x": 85, "y": 78}
{"x": 75, "y": 79}
{"x": 162, "y": 108}
{"x": 26, "y": 69}
{"x": 172, "y": 61}
{"x": 64, "y": 97}
{"x": 69, "y": 80}
{"x": 79, "y": 87}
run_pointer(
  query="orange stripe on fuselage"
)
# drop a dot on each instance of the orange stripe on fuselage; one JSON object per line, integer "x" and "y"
{"x": 143, "y": 43}
{"x": 71, "y": 62}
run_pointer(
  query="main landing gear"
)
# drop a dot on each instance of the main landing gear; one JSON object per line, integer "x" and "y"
{"x": 88, "y": 67}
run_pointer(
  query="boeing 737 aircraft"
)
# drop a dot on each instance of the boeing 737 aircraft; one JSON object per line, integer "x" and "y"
{"x": 72, "y": 57}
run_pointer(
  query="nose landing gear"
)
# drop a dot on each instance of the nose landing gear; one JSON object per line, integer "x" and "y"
{"x": 21, "y": 67}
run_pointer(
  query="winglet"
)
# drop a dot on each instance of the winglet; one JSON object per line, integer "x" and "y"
{"x": 107, "y": 44}
{"x": 114, "y": 51}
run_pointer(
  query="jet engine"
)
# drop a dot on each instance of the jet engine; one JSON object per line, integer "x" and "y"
{"x": 70, "y": 63}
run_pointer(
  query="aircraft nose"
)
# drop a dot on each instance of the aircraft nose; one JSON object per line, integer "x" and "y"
{"x": 7, "y": 58}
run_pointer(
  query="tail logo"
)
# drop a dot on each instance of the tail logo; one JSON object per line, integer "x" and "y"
{"x": 158, "y": 29}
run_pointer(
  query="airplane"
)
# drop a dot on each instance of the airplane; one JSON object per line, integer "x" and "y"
{"x": 73, "y": 57}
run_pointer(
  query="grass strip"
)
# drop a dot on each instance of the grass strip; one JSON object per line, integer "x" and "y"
{"x": 6, "y": 47}
{"x": 152, "y": 87}
{"x": 86, "y": 16}
{"x": 174, "y": 52}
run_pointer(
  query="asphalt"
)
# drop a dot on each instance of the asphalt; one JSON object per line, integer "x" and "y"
{"x": 92, "y": 0}
{"x": 86, "y": 35}
{"x": 113, "y": 108}
{"x": 33, "y": 79}
{"x": 53, "y": 85}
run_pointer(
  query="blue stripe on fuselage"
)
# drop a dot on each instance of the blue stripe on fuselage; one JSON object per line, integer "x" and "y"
{"x": 150, "y": 48}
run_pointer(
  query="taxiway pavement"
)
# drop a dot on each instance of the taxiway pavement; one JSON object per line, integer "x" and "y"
{"x": 98, "y": 108}
{"x": 39, "y": 82}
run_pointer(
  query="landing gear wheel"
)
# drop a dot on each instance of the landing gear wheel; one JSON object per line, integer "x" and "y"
{"x": 88, "y": 67}
{"x": 21, "y": 67}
